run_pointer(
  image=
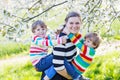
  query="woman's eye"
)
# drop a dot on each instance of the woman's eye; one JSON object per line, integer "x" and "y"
{"x": 71, "y": 22}
{"x": 77, "y": 23}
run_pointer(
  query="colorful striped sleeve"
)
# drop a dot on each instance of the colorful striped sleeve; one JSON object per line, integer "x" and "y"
{"x": 46, "y": 41}
{"x": 78, "y": 41}
{"x": 85, "y": 49}
{"x": 75, "y": 38}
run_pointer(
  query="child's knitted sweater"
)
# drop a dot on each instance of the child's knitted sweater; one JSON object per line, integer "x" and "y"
{"x": 83, "y": 59}
{"x": 39, "y": 47}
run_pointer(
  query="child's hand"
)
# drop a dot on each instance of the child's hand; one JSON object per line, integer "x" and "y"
{"x": 64, "y": 40}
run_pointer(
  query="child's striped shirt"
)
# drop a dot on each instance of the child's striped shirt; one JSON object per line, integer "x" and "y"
{"x": 39, "y": 47}
{"x": 84, "y": 59}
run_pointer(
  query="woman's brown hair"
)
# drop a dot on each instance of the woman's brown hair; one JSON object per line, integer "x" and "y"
{"x": 69, "y": 15}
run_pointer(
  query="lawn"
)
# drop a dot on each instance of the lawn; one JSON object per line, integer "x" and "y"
{"x": 10, "y": 48}
{"x": 17, "y": 71}
{"x": 104, "y": 67}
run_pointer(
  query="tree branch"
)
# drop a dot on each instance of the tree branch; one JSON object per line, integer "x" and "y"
{"x": 6, "y": 24}
{"x": 28, "y": 19}
{"x": 87, "y": 3}
{"x": 99, "y": 2}
{"x": 11, "y": 15}
{"x": 34, "y": 5}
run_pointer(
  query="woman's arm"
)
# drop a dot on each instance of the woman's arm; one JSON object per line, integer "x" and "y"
{"x": 64, "y": 74}
{"x": 58, "y": 61}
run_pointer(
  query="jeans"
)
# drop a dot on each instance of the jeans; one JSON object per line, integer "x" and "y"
{"x": 44, "y": 63}
{"x": 70, "y": 69}
{"x": 50, "y": 72}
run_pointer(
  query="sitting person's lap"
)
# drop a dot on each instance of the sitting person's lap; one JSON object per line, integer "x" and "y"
{"x": 56, "y": 77}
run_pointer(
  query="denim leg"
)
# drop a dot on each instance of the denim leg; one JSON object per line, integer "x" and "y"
{"x": 50, "y": 72}
{"x": 70, "y": 69}
{"x": 42, "y": 76}
{"x": 44, "y": 63}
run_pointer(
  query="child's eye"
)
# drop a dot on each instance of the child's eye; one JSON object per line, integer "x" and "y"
{"x": 38, "y": 29}
{"x": 43, "y": 29}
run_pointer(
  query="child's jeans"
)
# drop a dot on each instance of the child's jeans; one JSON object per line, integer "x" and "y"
{"x": 44, "y": 63}
{"x": 71, "y": 70}
{"x": 50, "y": 72}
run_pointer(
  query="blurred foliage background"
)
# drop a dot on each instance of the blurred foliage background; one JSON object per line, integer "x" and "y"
{"x": 102, "y": 16}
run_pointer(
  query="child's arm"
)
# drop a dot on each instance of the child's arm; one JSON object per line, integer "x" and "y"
{"x": 78, "y": 41}
{"x": 47, "y": 41}
{"x": 85, "y": 49}
{"x": 76, "y": 38}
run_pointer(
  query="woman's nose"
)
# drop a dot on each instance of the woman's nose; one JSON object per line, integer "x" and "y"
{"x": 73, "y": 25}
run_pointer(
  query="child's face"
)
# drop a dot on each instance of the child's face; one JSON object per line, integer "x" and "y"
{"x": 41, "y": 32}
{"x": 89, "y": 43}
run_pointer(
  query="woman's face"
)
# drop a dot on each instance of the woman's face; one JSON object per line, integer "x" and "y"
{"x": 73, "y": 24}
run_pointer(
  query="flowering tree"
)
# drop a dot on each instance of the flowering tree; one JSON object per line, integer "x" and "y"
{"x": 17, "y": 15}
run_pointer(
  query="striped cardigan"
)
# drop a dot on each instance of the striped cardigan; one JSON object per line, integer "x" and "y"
{"x": 39, "y": 47}
{"x": 60, "y": 52}
{"x": 83, "y": 59}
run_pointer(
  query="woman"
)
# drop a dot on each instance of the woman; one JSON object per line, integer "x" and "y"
{"x": 68, "y": 50}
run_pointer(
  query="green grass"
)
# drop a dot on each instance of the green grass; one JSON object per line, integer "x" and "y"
{"x": 105, "y": 67}
{"x": 8, "y": 48}
{"x": 23, "y": 71}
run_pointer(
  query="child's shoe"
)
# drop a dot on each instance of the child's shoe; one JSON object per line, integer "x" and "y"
{"x": 83, "y": 78}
